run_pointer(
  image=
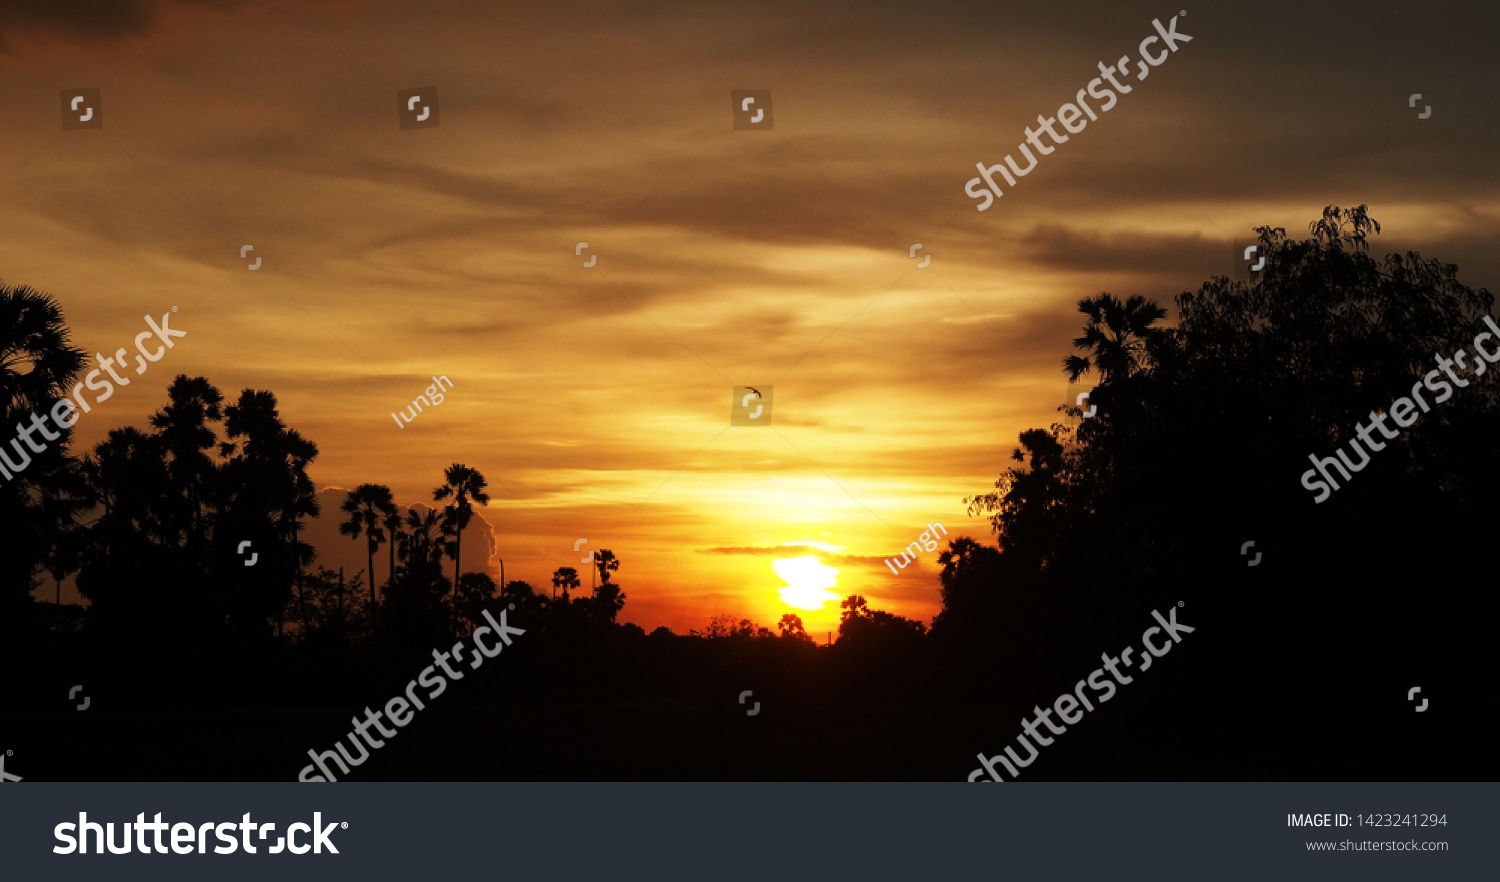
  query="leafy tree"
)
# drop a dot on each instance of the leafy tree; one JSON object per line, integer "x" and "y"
{"x": 476, "y": 593}
{"x": 725, "y": 625}
{"x": 1203, "y": 441}
{"x": 329, "y": 613}
{"x": 607, "y": 602}
{"x": 873, "y": 629}
{"x": 530, "y": 606}
{"x": 791, "y": 628}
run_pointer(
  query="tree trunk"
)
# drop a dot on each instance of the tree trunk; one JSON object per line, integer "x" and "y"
{"x": 458, "y": 555}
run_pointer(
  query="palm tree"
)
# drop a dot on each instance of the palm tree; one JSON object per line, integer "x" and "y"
{"x": 185, "y": 431}
{"x": 605, "y": 561}
{"x": 463, "y": 484}
{"x": 564, "y": 578}
{"x": 422, "y": 541}
{"x": 370, "y": 508}
{"x": 38, "y": 366}
{"x": 1116, "y": 338}
{"x": 266, "y": 473}
{"x": 393, "y": 533}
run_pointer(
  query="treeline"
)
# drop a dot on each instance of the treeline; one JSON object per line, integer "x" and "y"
{"x": 1201, "y": 434}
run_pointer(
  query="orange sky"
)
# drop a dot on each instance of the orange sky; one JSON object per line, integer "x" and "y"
{"x": 596, "y": 400}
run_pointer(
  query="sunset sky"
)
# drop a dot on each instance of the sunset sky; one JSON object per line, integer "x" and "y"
{"x": 597, "y": 400}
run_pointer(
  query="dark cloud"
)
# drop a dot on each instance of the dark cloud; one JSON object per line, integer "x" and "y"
{"x": 88, "y": 21}
{"x": 82, "y": 21}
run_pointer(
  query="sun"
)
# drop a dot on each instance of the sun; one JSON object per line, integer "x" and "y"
{"x": 807, "y": 581}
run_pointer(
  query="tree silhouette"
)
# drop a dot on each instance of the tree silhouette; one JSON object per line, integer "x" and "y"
{"x": 791, "y": 628}
{"x": 369, "y": 507}
{"x": 1116, "y": 337}
{"x": 726, "y": 625}
{"x": 607, "y": 602}
{"x": 184, "y": 427}
{"x": 476, "y": 593}
{"x": 418, "y": 610}
{"x": 392, "y": 524}
{"x": 268, "y": 491}
{"x": 530, "y": 606}
{"x": 1210, "y": 426}
{"x": 873, "y": 630}
{"x": 607, "y": 599}
{"x": 38, "y": 365}
{"x": 424, "y": 542}
{"x": 463, "y": 484}
{"x": 564, "y": 578}
{"x": 605, "y": 562}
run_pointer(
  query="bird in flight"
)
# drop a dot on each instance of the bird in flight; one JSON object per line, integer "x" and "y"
{"x": 756, "y": 391}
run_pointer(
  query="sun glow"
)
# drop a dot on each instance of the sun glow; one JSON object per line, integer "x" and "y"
{"x": 807, "y": 581}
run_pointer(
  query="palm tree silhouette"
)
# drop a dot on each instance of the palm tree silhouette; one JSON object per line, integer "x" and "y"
{"x": 267, "y": 462}
{"x": 605, "y": 562}
{"x": 1116, "y": 337}
{"x": 38, "y": 366}
{"x": 186, "y": 433}
{"x": 421, "y": 542}
{"x": 463, "y": 484}
{"x": 392, "y": 525}
{"x": 564, "y": 578}
{"x": 37, "y": 363}
{"x": 369, "y": 507}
